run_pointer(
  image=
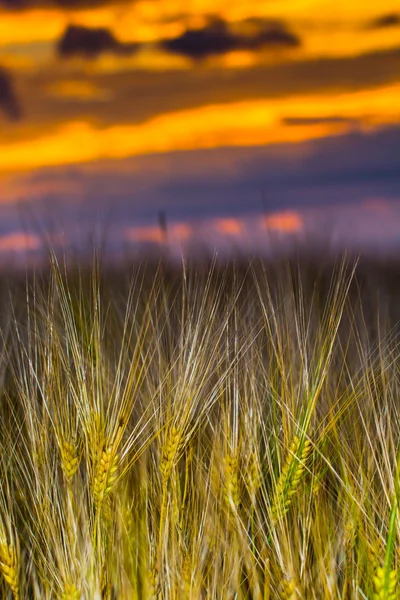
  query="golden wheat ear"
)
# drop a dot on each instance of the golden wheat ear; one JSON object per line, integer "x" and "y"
{"x": 169, "y": 453}
{"x": 9, "y": 565}
{"x": 385, "y": 588}
{"x": 106, "y": 474}
{"x": 70, "y": 457}
{"x": 70, "y": 592}
{"x": 232, "y": 482}
{"x": 290, "y": 477}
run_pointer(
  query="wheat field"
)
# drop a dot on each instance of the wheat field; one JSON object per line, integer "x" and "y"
{"x": 221, "y": 433}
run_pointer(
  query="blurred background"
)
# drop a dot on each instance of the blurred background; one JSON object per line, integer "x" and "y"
{"x": 199, "y": 124}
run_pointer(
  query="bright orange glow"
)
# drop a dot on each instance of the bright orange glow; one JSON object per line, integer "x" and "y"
{"x": 19, "y": 242}
{"x": 148, "y": 59}
{"x": 229, "y": 226}
{"x": 145, "y": 234}
{"x": 84, "y": 90}
{"x": 287, "y": 222}
{"x": 254, "y": 122}
{"x": 47, "y": 24}
{"x": 32, "y": 25}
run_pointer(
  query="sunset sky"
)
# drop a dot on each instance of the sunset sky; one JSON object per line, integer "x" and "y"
{"x": 246, "y": 123}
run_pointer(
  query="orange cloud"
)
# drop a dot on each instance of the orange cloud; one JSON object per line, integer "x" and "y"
{"x": 47, "y": 24}
{"x": 145, "y": 234}
{"x": 181, "y": 231}
{"x": 229, "y": 226}
{"x": 287, "y": 222}
{"x": 80, "y": 90}
{"x": 247, "y": 123}
{"x": 19, "y": 242}
{"x": 334, "y": 34}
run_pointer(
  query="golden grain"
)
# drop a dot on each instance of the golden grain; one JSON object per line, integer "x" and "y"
{"x": 289, "y": 591}
{"x": 254, "y": 475}
{"x": 9, "y": 567}
{"x": 169, "y": 453}
{"x": 153, "y": 582}
{"x": 106, "y": 475}
{"x": 232, "y": 483}
{"x": 70, "y": 592}
{"x": 290, "y": 478}
{"x": 385, "y": 588}
{"x": 70, "y": 458}
{"x": 186, "y": 574}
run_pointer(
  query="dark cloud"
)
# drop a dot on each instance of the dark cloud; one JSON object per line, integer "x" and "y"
{"x": 8, "y": 99}
{"x": 257, "y": 33}
{"x": 317, "y": 120}
{"x": 385, "y": 21}
{"x": 199, "y": 43}
{"x": 219, "y": 37}
{"x": 13, "y": 3}
{"x": 79, "y": 40}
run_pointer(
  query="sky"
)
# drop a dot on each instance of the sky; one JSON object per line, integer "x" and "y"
{"x": 204, "y": 123}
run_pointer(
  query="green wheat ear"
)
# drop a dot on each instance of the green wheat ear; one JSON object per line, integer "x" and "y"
{"x": 290, "y": 477}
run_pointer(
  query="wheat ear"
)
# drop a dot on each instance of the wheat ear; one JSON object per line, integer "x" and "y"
{"x": 70, "y": 592}
{"x": 106, "y": 474}
{"x": 290, "y": 478}
{"x": 186, "y": 574}
{"x": 232, "y": 487}
{"x": 169, "y": 453}
{"x": 254, "y": 477}
{"x": 385, "y": 587}
{"x": 153, "y": 582}
{"x": 70, "y": 458}
{"x": 289, "y": 591}
{"x": 9, "y": 567}
{"x": 168, "y": 457}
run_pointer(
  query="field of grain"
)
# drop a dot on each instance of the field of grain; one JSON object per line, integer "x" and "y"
{"x": 221, "y": 432}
